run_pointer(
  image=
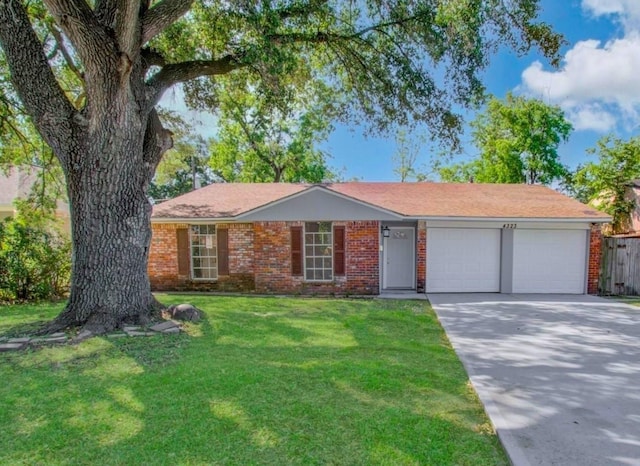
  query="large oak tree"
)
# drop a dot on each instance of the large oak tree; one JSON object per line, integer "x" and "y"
{"x": 392, "y": 62}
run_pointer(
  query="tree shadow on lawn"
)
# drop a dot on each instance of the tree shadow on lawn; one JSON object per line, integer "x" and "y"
{"x": 287, "y": 388}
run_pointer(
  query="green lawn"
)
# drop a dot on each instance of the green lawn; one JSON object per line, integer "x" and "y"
{"x": 259, "y": 381}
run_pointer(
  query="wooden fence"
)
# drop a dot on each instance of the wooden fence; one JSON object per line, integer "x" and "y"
{"x": 620, "y": 266}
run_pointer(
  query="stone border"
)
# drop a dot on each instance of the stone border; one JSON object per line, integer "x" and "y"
{"x": 17, "y": 344}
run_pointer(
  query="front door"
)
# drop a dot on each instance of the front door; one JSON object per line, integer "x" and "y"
{"x": 399, "y": 259}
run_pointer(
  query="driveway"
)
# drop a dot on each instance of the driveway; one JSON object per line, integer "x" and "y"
{"x": 559, "y": 375}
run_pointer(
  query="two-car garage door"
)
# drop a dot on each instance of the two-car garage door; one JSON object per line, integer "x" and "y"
{"x": 533, "y": 261}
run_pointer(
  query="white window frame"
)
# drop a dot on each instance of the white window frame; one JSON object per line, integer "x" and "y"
{"x": 193, "y": 235}
{"x": 305, "y": 268}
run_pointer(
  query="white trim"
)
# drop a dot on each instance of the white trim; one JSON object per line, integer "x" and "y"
{"x": 310, "y": 190}
{"x": 238, "y": 219}
{"x": 514, "y": 219}
{"x": 513, "y": 225}
{"x": 215, "y": 239}
{"x": 304, "y": 253}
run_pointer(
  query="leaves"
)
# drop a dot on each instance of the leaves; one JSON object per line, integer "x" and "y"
{"x": 604, "y": 184}
{"x": 267, "y": 136}
{"x": 518, "y": 140}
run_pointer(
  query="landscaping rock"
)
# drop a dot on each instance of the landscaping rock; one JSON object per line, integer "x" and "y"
{"x": 172, "y": 330}
{"x": 131, "y": 328}
{"x": 54, "y": 340}
{"x": 24, "y": 340}
{"x": 162, "y": 326}
{"x": 135, "y": 333}
{"x": 117, "y": 335}
{"x": 56, "y": 335}
{"x": 83, "y": 335}
{"x": 11, "y": 346}
{"x": 185, "y": 312}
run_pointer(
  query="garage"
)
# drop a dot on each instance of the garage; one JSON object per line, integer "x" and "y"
{"x": 549, "y": 261}
{"x": 463, "y": 260}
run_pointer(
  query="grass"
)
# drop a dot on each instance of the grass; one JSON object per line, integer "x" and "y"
{"x": 260, "y": 381}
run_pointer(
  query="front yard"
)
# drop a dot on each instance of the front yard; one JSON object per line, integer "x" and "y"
{"x": 259, "y": 381}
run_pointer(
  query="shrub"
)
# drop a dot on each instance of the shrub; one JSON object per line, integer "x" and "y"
{"x": 35, "y": 261}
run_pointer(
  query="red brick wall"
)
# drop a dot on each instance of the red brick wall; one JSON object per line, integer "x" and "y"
{"x": 163, "y": 257}
{"x": 422, "y": 256}
{"x": 272, "y": 260}
{"x": 163, "y": 261}
{"x": 595, "y": 254}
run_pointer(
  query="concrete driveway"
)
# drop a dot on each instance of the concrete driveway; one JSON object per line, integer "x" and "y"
{"x": 559, "y": 375}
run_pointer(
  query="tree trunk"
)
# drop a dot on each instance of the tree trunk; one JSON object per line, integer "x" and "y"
{"x": 111, "y": 231}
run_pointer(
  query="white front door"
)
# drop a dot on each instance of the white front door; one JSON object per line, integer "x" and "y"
{"x": 399, "y": 259}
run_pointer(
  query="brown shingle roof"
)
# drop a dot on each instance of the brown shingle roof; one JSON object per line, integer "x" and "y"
{"x": 473, "y": 200}
{"x": 225, "y": 200}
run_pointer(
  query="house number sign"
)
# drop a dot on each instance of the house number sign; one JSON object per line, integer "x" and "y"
{"x": 510, "y": 226}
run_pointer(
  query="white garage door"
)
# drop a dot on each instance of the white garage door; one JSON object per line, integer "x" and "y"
{"x": 549, "y": 261}
{"x": 463, "y": 260}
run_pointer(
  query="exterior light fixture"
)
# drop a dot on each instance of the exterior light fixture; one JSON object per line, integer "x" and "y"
{"x": 386, "y": 232}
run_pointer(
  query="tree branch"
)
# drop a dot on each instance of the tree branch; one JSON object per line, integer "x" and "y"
{"x": 157, "y": 140}
{"x": 128, "y": 27}
{"x": 162, "y": 15}
{"x": 88, "y": 36}
{"x": 65, "y": 53}
{"x": 34, "y": 81}
{"x": 186, "y": 71}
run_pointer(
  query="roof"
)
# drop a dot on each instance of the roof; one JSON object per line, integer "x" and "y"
{"x": 413, "y": 200}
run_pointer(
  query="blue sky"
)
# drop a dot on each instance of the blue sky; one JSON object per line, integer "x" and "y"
{"x": 597, "y": 85}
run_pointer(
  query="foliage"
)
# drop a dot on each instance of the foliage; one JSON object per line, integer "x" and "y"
{"x": 89, "y": 76}
{"x": 518, "y": 141}
{"x": 259, "y": 381}
{"x": 35, "y": 259}
{"x": 406, "y": 155}
{"x": 184, "y": 167}
{"x": 604, "y": 183}
{"x": 272, "y": 138}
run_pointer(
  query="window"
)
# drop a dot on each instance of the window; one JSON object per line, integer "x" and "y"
{"x": 204, "y": 252}
{"x": 318, "y": 251}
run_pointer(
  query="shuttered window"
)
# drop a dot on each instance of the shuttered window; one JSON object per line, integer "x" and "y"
{"x": 296, "y": 250}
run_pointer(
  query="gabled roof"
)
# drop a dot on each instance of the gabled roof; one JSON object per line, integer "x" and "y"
{"x": 411, "y": 200}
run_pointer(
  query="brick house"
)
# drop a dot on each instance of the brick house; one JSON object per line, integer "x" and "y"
{"x": 372, "y": 238}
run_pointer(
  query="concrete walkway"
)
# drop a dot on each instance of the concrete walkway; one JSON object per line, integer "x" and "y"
{"x": 559, "y": 375}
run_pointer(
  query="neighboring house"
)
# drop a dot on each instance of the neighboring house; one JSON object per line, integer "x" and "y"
{"x": 633, "y": 194}
{"x": 17, "y": 184}
{"x": 371, "y": 238}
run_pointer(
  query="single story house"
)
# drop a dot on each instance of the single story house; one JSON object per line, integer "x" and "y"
{"x": 371, "y": 238}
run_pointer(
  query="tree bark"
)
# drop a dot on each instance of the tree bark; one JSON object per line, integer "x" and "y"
{"x": 111, "y": 230}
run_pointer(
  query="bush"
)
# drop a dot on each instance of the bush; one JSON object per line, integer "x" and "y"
{"x": 35, "y": 261}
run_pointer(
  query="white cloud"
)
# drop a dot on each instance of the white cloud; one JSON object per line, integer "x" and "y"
{"x": 594, "y": 76}
{"x": 627, "y": 11}
{"x": 591, "y": 117}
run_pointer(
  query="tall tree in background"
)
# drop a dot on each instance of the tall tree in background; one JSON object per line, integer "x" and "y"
{"x": 406, "y": 156}
{"x": 385, "y": 56}
{"x": 518, "y": 141}
{"x": 604, "y": 183}
{"x": 269, "y": 136}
